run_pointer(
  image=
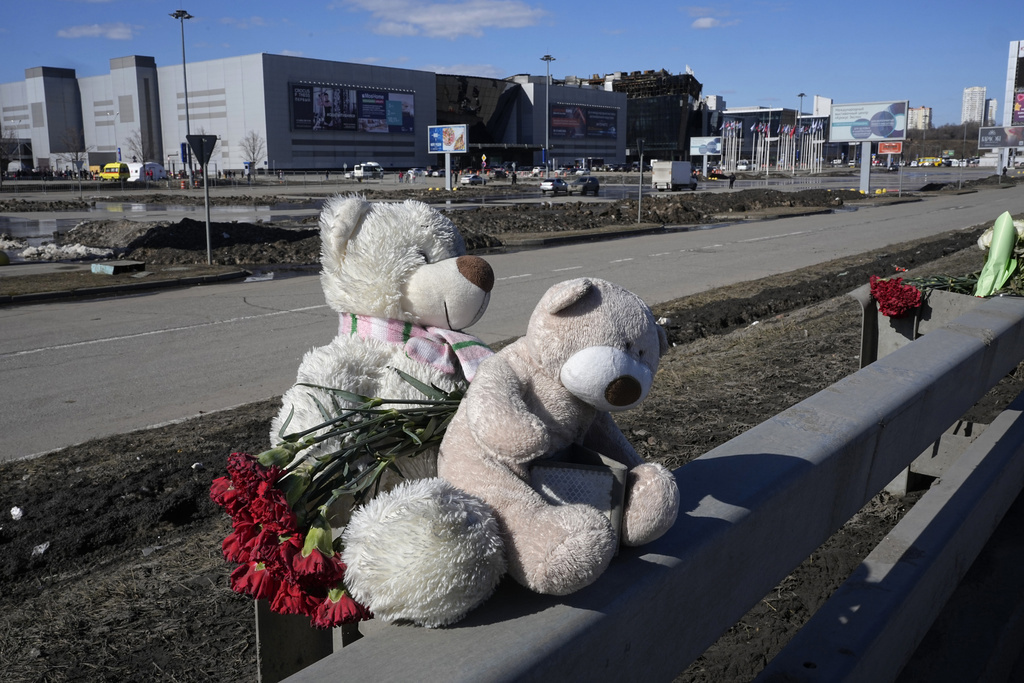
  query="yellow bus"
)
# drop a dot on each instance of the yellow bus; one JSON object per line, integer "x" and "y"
{"x": 115, "y": 171}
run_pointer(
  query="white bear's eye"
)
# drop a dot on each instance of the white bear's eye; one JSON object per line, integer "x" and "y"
{"x": 423, "y": 255}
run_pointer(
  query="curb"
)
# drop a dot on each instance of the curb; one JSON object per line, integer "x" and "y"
{"x": 82, "y": 292}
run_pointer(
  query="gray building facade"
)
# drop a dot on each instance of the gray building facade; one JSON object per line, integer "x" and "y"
{"x": 275, "y": 112}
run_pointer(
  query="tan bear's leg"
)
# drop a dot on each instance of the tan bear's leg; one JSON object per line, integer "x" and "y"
{"x": 557, "y": 549}
{"x": 652, "y": 503}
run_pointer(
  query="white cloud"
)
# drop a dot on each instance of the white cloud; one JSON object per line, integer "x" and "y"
{"x": 251, "y": 22}
{"x": 118, "y": 31}
{"x": 445, "y": 19}
{"x": 706, "y": 22}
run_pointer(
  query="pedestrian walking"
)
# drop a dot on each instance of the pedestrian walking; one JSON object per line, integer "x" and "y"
{"x": 732, "y": 180}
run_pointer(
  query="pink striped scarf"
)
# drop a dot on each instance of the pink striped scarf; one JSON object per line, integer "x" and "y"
{"x": 446, "y": 350}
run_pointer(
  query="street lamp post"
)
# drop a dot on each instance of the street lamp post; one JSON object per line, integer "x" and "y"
{"x": 547, "y": 59}
{"x": 181, "y": 15}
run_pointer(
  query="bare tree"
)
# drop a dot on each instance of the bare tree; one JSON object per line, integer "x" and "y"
{"x": 139, "y": 147}
{"x": 73, "y": 147}
{"x": 254, "y": 149}
{"x": 9, "y": 144}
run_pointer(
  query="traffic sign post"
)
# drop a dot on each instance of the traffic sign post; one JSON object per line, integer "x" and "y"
{"x": 202, "y": 146}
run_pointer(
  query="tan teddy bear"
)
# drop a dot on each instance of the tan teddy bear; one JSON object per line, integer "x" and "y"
{"x": 591, "y": 347}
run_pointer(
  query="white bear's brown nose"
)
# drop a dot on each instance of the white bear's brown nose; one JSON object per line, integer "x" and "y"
{"x": 623, "y": 391}
{"x": 477, "y": 271}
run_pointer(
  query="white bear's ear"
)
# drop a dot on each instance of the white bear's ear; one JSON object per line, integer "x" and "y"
{"x": 341, "y": 216}
{"x": 565, "y": 294}
{"x": 662, "y": 340}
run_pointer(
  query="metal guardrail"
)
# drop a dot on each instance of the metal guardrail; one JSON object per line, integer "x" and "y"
{"x": 755, "y": 508}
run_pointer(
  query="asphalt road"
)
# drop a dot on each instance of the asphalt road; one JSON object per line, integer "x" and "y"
{"x": 76, "y": 370}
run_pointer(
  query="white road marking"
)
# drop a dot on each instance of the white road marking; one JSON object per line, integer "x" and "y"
{"x": 516, "y": 277}
{"x": 562, "y": 270}
{"x": 621, "y": 260}
{"x": 103, "y": 340}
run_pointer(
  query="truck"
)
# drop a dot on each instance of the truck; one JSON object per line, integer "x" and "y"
{"x": 672, "y": 175}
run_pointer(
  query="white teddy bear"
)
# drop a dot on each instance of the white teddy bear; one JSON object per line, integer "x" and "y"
{"x": 399, "y": 278}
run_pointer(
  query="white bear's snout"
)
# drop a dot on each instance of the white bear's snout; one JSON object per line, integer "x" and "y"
{"x": 607, "y": 378}
{"x": 452, "y": 293}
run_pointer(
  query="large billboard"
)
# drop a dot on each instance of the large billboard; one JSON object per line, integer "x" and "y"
{"x": 1017, "y": 115}
{"x": 996, "y": 138}
{"x": 575, "y": 121}
{"x": 316, "y": 107}
{"x": 705, "y": 146}
{"x": 441, "y": 139}
{"x": 869, "y": 122}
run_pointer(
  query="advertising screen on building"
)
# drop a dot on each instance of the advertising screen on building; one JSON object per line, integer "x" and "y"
{"x": 1017, "y": 115}
{"x": 441, "y": 139}
{"x": 705, "y": 146}
{"x": 996, "y": 138}
{"x": 573, "y": 121}
{"x": 870, "y": 121}
{"x": 316, "y": 107}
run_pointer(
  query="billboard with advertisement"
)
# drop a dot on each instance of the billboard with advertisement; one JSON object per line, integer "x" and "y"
{"x": 705, "y": 146}
{"x": 890, "y": 148}
{"x": 576, "y": 121}
{"x": 869, "y": 121}
{"x": 316, "y": 107}
{"x": 1017, "y": 115}
{"x": 450, "y": 139}
{"x": 996, "y": 138}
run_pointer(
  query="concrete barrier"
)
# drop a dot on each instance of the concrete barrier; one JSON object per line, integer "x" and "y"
{"x": 754, "y": 508}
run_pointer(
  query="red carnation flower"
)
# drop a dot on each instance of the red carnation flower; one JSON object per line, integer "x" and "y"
{"x": 236, "y": 544}
{"x": 339, "y": 608}
{"x": 252, "y": 578}
{"x": 270, "y": 506}
{"x": 894, "y": 298}
{"x": 292, "y": 599}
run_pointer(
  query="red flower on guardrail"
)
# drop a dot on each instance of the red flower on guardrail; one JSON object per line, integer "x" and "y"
{"x": 894, "y": 298}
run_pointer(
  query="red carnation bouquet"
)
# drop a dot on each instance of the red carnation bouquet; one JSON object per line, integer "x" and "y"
{"x": 894, "y": 298}
{"x": 279, "y": 502}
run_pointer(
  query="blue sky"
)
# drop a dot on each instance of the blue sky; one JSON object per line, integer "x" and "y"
{"x": 751, "y": 53}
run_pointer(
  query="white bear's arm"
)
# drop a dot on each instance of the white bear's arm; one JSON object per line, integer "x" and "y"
{"x": 604, "y": 436}
{"x": 499, "y": 419}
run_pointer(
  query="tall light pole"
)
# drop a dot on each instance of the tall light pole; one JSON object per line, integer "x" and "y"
{"x": 547, "y": 59}
{"x": 181, "y": 15}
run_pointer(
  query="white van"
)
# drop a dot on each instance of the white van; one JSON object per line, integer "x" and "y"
{"x": 146, "y": 171}
{"x": 369, "y": 169}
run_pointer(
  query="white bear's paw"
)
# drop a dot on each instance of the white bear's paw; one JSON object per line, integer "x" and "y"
{"x": 652, "y": 504}
{"x": 425, "y": 552}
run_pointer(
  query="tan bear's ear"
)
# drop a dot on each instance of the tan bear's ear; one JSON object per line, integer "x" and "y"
{"x": 662, "y": 340}
{"x": 565, "y": 294}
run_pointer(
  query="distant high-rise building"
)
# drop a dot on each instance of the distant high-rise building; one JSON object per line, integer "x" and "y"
{"x": 919, "y": 118}
{"x": 990, "y": 112}
{"x": 973, "y": 109}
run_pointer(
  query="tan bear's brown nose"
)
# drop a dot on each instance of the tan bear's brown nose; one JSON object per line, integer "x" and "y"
{"x": 477, "y": 271}
{"x": 623, "y": 391}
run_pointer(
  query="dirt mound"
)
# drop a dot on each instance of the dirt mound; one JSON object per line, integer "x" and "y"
{"x": 977, "y": 183}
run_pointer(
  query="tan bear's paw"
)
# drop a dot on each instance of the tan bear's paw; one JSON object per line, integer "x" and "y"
{"x": 652, "y": 503}
{"x": 565, "y": 548}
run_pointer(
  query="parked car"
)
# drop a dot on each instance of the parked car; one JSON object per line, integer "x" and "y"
{"x": 417, "y": 172}
{"x": 437, "y": 173}
{"x": 473, "y": 179}
{"x": 554, "y": 186}
{"x": 499, "y": 173}
{"x": 742, "y": 165}
{"x": 584, "y": 185}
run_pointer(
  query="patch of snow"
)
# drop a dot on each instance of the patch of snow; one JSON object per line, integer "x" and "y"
{"x": 53, "y": 252}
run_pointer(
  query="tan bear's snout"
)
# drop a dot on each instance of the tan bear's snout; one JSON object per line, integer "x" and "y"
{"x": 477, "y": 271}
{"x": 623, "y": 391}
